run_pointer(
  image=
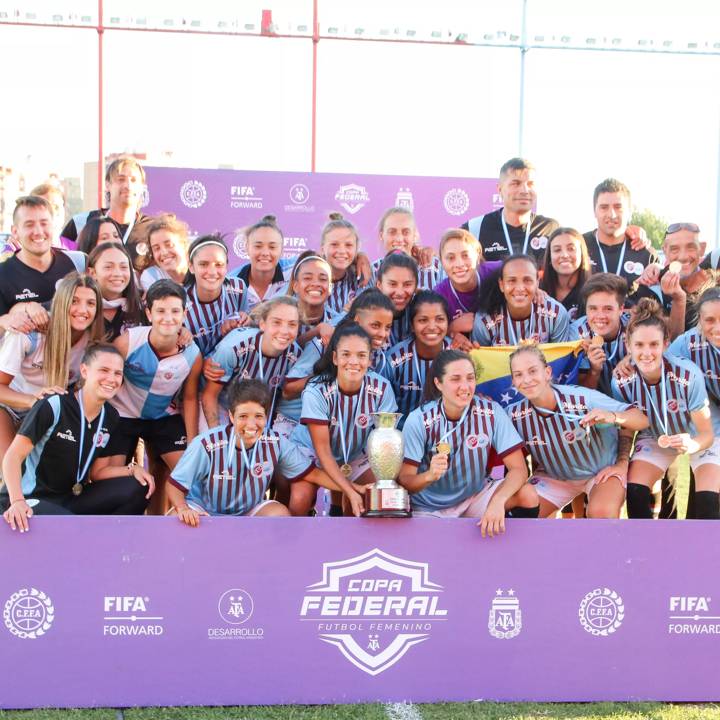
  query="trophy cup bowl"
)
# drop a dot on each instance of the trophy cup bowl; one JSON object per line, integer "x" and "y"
{"x": 385, "y": 451}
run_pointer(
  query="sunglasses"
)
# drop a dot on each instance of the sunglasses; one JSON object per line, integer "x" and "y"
{"x": 677, "y": 227}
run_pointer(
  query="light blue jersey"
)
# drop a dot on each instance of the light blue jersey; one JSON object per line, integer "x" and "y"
{"x": 694, "y": 347}
{"x": 547, "y": 323}
{"x": 216, "y": 477}
{"x": 324, "y": 404}
{"x": 684, "y": 390}
{"x": 483, "y": 428}
{"x": 152, "y": 383}
{"x": 559, "y": 447}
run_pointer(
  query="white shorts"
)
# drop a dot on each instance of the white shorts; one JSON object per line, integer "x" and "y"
{"x": 252, "y": 511}
{"x": 562, "y": 492}
{"x": 359, "y": 465}
{"x": 284, "y": 426}
{"x": 471, "y": 507}
{"x": 647, "y": 450}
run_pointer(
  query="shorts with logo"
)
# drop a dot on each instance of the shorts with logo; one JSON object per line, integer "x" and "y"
{"x": 562, "y": 492}
{"x": 648, "y": 450}
{"x": 471, "y": 507}
{"x": 164, "y": 435}
{"x": 359, "y": 465}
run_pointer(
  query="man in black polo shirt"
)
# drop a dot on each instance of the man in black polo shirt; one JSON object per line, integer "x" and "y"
{"x": 611, "y": 248}
{"x": 124, "y": 190}
{"x": 32, "y": 273}
{"x": 515, "y": 228}
{"x": 58, "y": 463}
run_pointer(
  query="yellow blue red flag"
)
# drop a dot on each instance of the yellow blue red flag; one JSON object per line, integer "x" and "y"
{"x": 492, "y": 368}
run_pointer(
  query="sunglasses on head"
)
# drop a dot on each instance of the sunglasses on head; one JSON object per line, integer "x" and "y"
{"x": 677, "y": 227}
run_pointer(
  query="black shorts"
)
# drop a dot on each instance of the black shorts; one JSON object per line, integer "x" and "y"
{"x": 164, "y": 435}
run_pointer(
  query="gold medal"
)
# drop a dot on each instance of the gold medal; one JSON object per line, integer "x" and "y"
{"x": 443, "y": 448}
{"x": 675, "y": 267}
{"x": 597, "y": 340}
{"x": 346, "y": 470}
{"x": 77, "y": 488}
{"x": 663, "y": 441}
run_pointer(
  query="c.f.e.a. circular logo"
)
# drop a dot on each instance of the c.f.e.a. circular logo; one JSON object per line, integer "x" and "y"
{"x": 29, "y": 613}
{"x": 601, "y": 612}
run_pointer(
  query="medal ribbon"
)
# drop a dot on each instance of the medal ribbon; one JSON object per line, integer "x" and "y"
{"x": 343, "y": 445}
{"x": 602, "y": 255}
{"x": 82, "y": 469}
{"x": 507, "y": 234}
{"x": 663, "y": 398}
{"x": 511, "y": 328}
{"x": 262, "y": 375}
{"x": 446, "y": 422}
{"x": 459, "y": 301}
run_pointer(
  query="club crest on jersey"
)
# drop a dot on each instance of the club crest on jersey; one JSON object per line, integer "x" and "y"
{"x": 102, "y": 438}
{"x": 539, "y": 242}
{"x": 168, "y": 375}
{"x": 275, "y": 380}
{"x": 675, "y": 406}
{"x": 257, "y": 470}
{"x": 479, "y": 441}
{"x": 362, "y": 420}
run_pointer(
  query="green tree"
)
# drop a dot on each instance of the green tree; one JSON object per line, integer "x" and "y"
{"x": 653, "y": 224}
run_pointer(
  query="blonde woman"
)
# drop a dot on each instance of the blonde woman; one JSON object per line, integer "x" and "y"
{"x": 34, "y": 366}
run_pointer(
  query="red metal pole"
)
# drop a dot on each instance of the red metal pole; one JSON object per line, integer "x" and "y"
{"x": 101, "y": 154}
{"x": 315, "y": 41}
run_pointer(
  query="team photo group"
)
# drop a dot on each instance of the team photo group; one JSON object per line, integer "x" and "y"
{"x": 139, "y": 373}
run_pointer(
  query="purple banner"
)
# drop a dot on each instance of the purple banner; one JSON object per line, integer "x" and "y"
{"x": 229, "y": 200}
{"x": 265, "y": 611}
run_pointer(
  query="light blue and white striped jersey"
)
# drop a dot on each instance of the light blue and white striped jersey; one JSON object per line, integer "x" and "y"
{"x": 559, "y": 447}
{"x": 615, "y": 350}
{"x": 239, "y": 355}
{"x": 203, "y": 471}
{"x": 151, "y": 383}
{"x": 407, "y": 372}
{"x": 483, "y": 428}
{"x": 548, "y": 322}
{"x": 205, "y": 320}
{"x": 428, "y": 277}
{"x": 694, "y": 347}
{"x": 685, "y": 392}
{"x": 324, "y": 404}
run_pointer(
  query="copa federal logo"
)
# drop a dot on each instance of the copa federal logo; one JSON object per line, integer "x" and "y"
{"x": 29, "y": 613}
{"x": 193, "y": 194}
{"x": 601, "y": 612}
{"x": 373, "y": 608}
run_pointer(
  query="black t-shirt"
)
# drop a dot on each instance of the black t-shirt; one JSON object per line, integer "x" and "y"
{"x": 632, "y": 265}
{"x": 138, "y": 234}
{"x": 494, "y": 243}
{"x": 572, "y": 303}
{"x": 21, "y": 283}
{"x": 53, "y": 426}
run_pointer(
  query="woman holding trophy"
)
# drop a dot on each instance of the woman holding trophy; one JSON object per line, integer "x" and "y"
{"x": 447, "y": 444}
{"x": 337, "y": 409}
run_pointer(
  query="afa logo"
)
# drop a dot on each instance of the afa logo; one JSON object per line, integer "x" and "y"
{"x": 373, "y": 608}
{"x": 236, "y": 606}
{"x": 505, "y": 619}
{"x": 28, "y": 613}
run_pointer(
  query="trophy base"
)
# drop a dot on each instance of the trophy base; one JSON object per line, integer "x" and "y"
{"x": 391, "y": 502}
{"x": 387, "y": 513}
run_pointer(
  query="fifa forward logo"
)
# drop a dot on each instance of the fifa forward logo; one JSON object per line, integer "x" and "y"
{"x": 505, "y": 619}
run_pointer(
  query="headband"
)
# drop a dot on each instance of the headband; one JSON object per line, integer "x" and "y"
{"x": 205, "y": 243}
{"x": 316, "y": 258}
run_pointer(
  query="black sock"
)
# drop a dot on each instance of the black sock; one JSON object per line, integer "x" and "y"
{"x": 523, "y": 512}
{"x": 707, "y": 505}
{"x": 639, "y": 501}
{"x": 336, "y": 511}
